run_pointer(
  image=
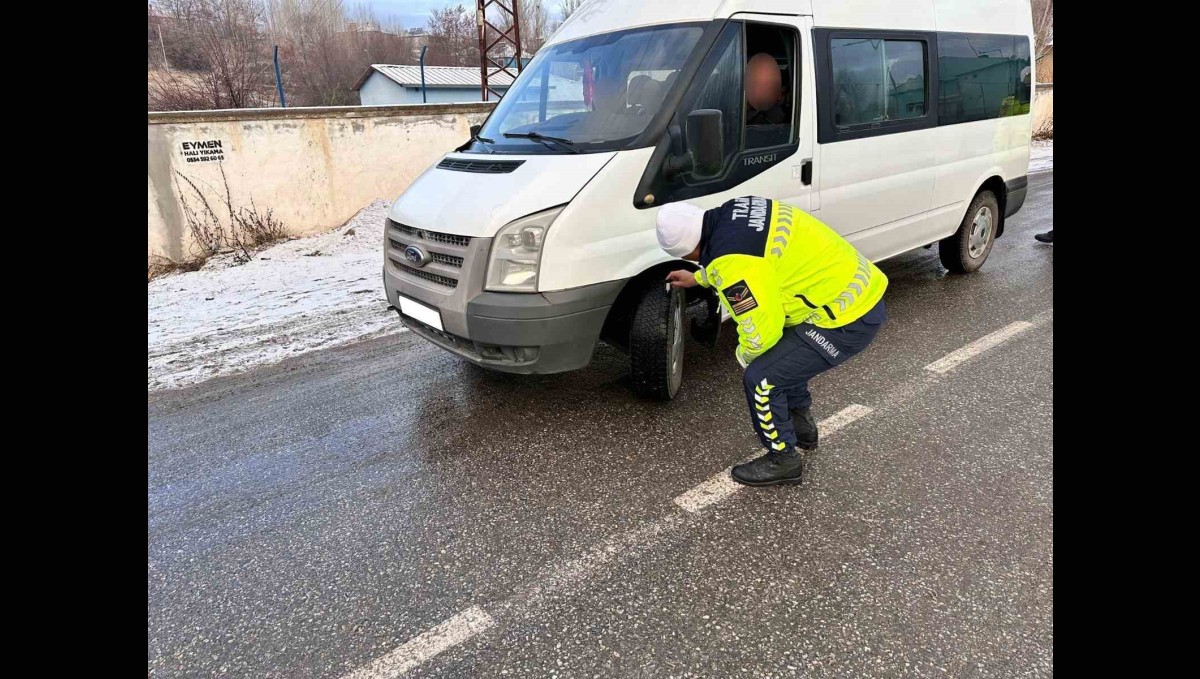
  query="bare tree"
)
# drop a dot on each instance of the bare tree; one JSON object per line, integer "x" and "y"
{"x": 220, "y": 51}
{"x": 224, "y": 38}
{"x": 156, "y": 51}
{"x": 1043, "y": 26}
{"x": 319, "y": 67}
{"x": 534, "y": 29}
{"x": 386, "y": 44}
{"x": 325, "y": 48}
{"x": 453, "y": 38}
{"x": 181, "y": 47}
{"x": 535, "y": 25}
{"x": 568, "y": 7}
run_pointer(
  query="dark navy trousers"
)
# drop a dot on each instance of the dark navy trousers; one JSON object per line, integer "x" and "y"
{"x": 777, "y": 382}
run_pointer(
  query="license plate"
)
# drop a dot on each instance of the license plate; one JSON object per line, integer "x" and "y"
{"x": 427, "y": 315}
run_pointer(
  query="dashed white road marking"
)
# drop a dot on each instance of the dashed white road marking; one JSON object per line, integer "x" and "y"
{"x": 722, "y": 486}
{"x": 475, "y": 620}
{"x": 842, "y": 418}
{"x": 424, "y": 646}
{"x": 954, "y": 358}
{"x": 708, "y": 493}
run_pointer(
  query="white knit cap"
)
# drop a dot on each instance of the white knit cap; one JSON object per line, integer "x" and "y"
{"x": 679, "y": 227}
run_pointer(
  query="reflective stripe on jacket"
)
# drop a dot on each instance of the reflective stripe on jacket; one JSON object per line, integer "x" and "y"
{"x": 776, "y": 266}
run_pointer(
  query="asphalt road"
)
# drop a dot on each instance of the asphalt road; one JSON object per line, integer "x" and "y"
{"x": 383, "y": 507}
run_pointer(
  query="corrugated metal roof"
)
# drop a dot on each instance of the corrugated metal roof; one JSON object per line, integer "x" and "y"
{"x": 438, "y": 76}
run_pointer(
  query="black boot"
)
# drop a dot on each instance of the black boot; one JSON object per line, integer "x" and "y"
{"x": 775, "y": 468}
{"x": 1047, "y": 237}
{"x": 806, "y": 429}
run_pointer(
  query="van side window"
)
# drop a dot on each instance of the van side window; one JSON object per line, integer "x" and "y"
{"x": 758, "y": 119}
{"x": 771, "y": 85}
{"x": 982, "y": 76}
{"x": 877, "y": 80}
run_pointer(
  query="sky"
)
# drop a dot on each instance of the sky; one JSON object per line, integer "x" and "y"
{"x": 412, "y": 13}
{"x": 415, "y": 13}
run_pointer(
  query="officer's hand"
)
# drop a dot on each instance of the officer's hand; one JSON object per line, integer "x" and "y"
{"x": 682, "y": 279}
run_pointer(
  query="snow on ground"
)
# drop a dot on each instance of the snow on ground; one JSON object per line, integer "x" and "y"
{"x": 294, "y": 297}
{"x": 1041, "y": 157}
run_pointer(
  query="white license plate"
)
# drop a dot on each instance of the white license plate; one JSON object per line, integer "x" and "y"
{"x": 425, "y": 314}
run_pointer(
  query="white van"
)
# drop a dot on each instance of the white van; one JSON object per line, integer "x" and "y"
{"x": 900, "y": 124}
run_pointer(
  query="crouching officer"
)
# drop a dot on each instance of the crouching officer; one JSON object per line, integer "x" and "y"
{"x": 804, "y": 301}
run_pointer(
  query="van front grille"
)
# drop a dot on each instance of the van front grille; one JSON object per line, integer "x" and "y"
{"x": 432, "y": 236}
{"x": 425, "y": 275}
{"x": 448, "y": 260}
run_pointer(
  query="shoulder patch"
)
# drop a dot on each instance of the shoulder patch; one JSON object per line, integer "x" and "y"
{"x": 740, "y": 298}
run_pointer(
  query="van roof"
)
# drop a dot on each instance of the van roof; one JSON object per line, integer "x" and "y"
{"x": 606, "y": 16}
{"x": 970, "y": 16}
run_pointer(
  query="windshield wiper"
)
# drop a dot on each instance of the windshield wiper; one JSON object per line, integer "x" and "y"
{"x": 485, "y": 140}
{"x": 565, "y": 143}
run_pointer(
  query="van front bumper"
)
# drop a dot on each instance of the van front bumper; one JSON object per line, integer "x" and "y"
{"x": 525, "y": 333}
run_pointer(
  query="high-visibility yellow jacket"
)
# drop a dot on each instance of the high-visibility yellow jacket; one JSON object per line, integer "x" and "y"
{"x": 776, "y": 266}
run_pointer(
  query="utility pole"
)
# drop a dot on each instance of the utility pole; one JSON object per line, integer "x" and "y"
{"x": 163, "y": 47}
{"x": 510, "y": 37}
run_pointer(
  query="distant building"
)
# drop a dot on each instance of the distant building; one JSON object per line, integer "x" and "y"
{"x": 387, "y": 84}
{"x": 363, "y": 27}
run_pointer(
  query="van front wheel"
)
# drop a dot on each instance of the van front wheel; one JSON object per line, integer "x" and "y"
{"x": 656, "y": 342}
{"x": 968, "y": 248}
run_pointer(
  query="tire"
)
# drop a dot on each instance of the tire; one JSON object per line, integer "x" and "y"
{"x": 968, "y": 248}
{"x": 656, "y": 341}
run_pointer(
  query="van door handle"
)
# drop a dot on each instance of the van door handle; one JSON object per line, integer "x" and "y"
{"x": 806, "y": 172}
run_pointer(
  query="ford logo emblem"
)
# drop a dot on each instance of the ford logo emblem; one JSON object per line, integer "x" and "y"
{"x": 416, "y": 255}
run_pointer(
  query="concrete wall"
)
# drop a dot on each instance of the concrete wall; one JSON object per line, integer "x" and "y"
{"x": 1045, "y": 66}
{"x": 1043, "y": 109}
{"x": 380, "y": 90}
{"x": 313, "y": 167}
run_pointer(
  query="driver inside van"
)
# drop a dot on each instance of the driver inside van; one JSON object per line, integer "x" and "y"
{"x": 768, "y": 119}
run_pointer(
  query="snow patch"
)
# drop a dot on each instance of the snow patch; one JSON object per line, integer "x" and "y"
{"x": 294, "y": 297}
{"x": 1041, "y": 156}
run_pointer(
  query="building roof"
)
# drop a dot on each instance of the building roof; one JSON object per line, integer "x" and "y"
{"x": 435, "y": 76}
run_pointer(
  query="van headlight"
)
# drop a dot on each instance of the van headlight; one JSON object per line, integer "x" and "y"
{"x": 517, "y": 253}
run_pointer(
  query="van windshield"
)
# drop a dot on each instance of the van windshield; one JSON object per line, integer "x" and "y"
{"x": 591, "y": 94}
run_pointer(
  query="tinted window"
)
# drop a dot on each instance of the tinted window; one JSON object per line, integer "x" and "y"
{"x": 982, "y": 76}
{"x": 877, "y": 80}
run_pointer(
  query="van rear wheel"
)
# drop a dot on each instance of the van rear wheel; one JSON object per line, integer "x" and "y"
{"x": 656, "y": 342}
{"x": 968, "y": 248}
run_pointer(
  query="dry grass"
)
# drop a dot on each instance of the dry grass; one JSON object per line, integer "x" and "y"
{"x": 160, "y": 266}
{"x": 242, "y": 230}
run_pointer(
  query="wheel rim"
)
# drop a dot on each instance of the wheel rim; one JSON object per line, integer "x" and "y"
{"x": 981, "y": 232}
{"x": 676, "y": 353}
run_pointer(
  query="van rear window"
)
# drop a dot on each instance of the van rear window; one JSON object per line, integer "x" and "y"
{"x": 982, "y": 76}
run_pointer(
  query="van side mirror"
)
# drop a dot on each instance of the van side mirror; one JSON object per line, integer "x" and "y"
{"x": 705, "y": 142}
{"x": 705, "y": 146}
{"x": 475, "y": 130}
